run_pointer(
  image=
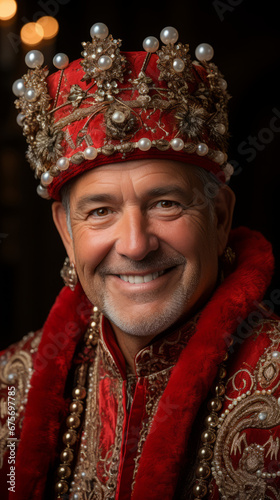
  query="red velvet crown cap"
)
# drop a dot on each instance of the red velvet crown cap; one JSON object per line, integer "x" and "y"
{"x": 91, "y": 130}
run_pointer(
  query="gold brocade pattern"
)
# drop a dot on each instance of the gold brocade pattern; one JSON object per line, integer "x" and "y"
{"x": 164, "y": 353}
{"x": 94, "y": 463}
{"x": 248, "y": 481}
{"x": 246, "y": 454}
{"x": 157, "y": 384}
{"x": 16, "y": 369}
{"x": 98, "y": 465}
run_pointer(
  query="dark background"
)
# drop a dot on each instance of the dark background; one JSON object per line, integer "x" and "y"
{"x": 246, "y": 38}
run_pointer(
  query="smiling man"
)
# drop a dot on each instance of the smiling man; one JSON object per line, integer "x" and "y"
{"x": 146, "y": 251}
{"x": 156, "y": 373}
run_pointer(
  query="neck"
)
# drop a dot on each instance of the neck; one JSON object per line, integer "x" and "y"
{"x": 130, "y": 345}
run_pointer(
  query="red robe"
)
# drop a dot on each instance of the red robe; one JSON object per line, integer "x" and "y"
{"x": 156, "y": 463}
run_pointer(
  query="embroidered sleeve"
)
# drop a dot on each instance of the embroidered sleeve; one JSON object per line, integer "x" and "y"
{"x": 246, "y": 461}
{"x": 16, "y": 368}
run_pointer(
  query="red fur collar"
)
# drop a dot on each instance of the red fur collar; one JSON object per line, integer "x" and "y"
{"x": 186, "y": 389}
{"x": 45, "y": 408}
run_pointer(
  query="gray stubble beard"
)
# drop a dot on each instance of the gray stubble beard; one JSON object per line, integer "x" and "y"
{"x": 147, "y": 326}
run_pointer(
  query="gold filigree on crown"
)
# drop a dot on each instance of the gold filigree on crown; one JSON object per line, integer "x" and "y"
{"x": 99, "y": 106}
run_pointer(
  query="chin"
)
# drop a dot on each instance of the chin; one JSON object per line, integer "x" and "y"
{"x": 143, "y": 321}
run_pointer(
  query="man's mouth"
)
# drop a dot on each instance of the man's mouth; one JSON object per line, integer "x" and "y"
{"x": 138, "y": 279}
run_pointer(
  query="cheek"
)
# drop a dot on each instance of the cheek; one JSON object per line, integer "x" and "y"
{"x": 90, "y": 247}
{"x": 187, "y": 235}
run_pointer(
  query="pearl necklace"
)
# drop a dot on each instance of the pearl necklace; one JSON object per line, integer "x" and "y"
{"x": 76, "y": 407}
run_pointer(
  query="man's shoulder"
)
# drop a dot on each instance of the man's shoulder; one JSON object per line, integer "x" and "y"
{"x": 17, "y": 359}
{"x": 16, "y": 368}
{"x": 254, "y": 339}
{"x": 248, "y": 433}
{"x": 254, "y": 356}
{"x": 31, "y": 340}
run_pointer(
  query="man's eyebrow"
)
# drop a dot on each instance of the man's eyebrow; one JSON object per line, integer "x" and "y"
{"x": 172, "y": 189}
{"x": 94, "y": 198}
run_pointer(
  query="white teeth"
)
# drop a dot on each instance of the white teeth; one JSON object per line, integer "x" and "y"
{"x": 150, "y": 277}
{"x": 140, "y": 279}
{"x": 124, "y": 277}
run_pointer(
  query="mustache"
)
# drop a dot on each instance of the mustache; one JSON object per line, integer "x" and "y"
{"x": 149, "y": 263}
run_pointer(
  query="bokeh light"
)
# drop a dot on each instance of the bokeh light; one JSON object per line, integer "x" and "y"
{"x": 50, "y": 26}
{"x": 32, "y": 33}
{"x": 8, "y": 9}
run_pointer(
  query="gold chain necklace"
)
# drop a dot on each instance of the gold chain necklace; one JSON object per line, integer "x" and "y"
{"x": 208, "y": 436}
{"x": 76, "y": 408}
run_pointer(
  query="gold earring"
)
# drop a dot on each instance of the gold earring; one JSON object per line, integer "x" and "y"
{"x": 227, "y": 261}
{"x": 69, "y": 274}
{"x": 228, "y": 256}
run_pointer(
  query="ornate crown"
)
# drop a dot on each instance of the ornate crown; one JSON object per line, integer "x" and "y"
{"x": 112, "y": 106}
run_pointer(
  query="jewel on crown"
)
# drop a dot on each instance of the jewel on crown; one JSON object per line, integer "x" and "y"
{"x": 183, "y": 108}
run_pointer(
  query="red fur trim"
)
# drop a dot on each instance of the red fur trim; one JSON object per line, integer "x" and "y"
{"x": 196, "y": 369}
{"x": 46, "y": 406}
{"x": 187, "y": 387}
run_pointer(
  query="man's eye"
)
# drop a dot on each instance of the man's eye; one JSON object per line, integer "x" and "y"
{"x": 166, "y": 204}
{"x": 101, "y": 212}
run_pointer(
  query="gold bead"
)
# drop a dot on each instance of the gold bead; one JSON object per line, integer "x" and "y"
{"x": 220, "y": 389}
{"x": 222, "y": 372}
{"x": 208, "y": 437}
{"x": 212, "y": 420}
{"x": 202, "y": 471}
{"x": 70, "y": 437}
{"x": 61, "y": 487}
{"x": 205, "y": 453}
{"x": 76, "y": 407}
{"x": 67, "y": 455}
{"x": 95, "y": 309}
{"x": 93, "y": 324}
{"x": 73, "y": 421}
{"x": 64, "y": 471}
{"x": 200, "y": 490}
{"x": 214, "y": 404}
{"x": 79, "y": 392}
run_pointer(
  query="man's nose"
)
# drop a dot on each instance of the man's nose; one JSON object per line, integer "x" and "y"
{"x": 135, "y": 238}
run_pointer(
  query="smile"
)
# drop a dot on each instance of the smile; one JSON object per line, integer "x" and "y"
{"x": 137, "y": 279}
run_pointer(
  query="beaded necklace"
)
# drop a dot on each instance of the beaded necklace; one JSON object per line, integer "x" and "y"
{"x": 208, "y": 436}
{"x": 73, "y": 421}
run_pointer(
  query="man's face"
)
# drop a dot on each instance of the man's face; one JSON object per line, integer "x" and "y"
{"x": 144, "y": 244}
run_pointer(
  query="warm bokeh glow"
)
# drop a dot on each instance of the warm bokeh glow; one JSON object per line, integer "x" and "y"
{"x": 8, "y": 9}
{"x": 32, "y": 33}
{"x": 49, "y": 25}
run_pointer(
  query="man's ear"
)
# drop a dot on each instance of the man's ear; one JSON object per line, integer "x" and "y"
{"x": 60, "y": 220}
{"x": 224, "y": 206}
